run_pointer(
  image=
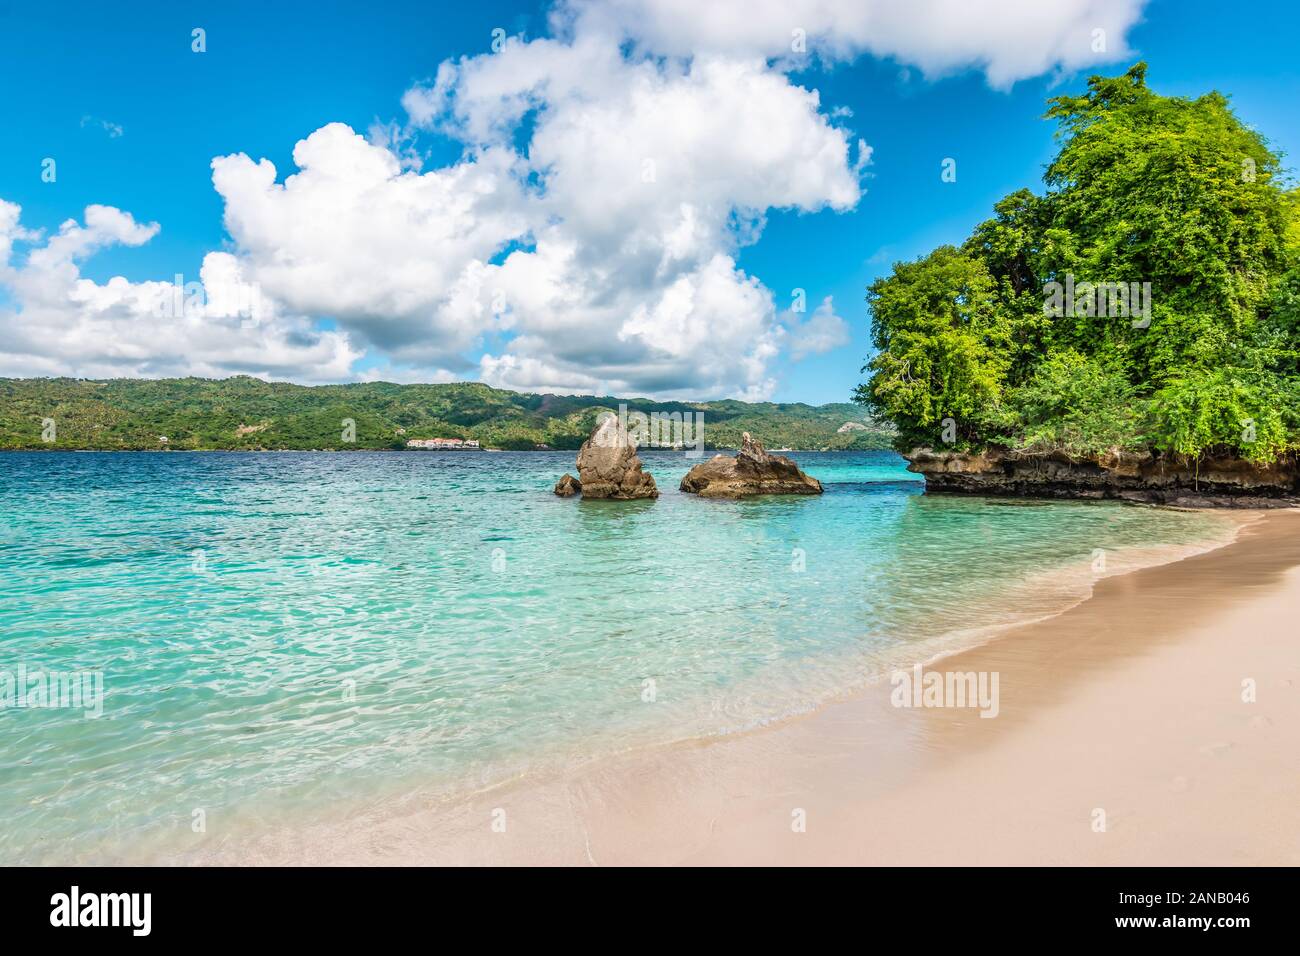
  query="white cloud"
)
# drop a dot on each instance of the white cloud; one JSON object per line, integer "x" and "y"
{"x": 407, "y": 375}
{"x": 822, "y": 332}
{"x": 1008, "y": 39}
{"x": 587, "y": 239}
{"x": 114, "y": 130}
{"x": 11, "y": 232}
{"x": 395, "y": 256}
{"x": 64, "y": 324}
{"x": 647, "y": 175}
{"x": 651, "y": 175}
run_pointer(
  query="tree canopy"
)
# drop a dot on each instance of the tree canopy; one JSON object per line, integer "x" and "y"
{"x": 1149, "y": 298}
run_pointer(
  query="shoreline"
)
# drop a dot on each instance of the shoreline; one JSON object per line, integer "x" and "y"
{"x": 1143, "y": 478}
{"x": 458, "y": 451}
{"x": 865, "y": 772}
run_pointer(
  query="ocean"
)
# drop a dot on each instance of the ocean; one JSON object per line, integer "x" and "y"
{"x": 277, "y": 635}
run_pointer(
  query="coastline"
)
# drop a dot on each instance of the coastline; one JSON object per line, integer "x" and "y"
{"x": 1128, "y": 702}
{"x": 708, "y": 449}
{"x": 1142, "y": 478}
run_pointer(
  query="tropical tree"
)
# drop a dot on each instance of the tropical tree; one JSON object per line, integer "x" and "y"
{"x": 1150, "y": 297}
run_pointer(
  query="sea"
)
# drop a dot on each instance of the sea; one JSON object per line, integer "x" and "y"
{"x": 198, "y": 640}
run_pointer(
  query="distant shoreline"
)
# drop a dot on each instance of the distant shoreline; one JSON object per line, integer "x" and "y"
{"x": 403, "y": 451}
{"x": 246, "y": 414}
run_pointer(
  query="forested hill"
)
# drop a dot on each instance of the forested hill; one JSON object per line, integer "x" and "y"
{"x": 247, "y": 413}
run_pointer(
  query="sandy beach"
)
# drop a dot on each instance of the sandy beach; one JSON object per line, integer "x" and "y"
{"x": 1157, "y": 722}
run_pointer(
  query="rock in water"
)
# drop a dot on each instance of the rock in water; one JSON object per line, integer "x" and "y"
{"x": 568, "y": 486}
{"x": 752, "y": 472}
{"x": 608, "y": 466}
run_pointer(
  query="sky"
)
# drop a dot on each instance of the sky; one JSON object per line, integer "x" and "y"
{"x": 655, "y": 198}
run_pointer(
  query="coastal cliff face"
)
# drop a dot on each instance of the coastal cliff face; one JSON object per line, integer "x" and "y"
{"x": 1223, "y": 482}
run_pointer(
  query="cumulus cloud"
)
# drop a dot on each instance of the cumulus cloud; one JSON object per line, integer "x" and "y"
{"x": 63, "y": 324}
{"x": 1008, "y": 40}
{"x": 644, "y": 174}
{"x": 588, "y": 239}
{"x": 394, "y": 255}
{"x": 822, "y": 332}
{"x": 650, "y": 177}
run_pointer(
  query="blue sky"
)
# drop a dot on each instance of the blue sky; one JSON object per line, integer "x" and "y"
{"x": 134, "y": 119}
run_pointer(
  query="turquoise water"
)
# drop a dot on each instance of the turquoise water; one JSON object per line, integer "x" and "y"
{"x": 279, "y": 632}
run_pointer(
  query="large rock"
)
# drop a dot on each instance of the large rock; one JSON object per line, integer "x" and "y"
{"x": 752, "y": 472}
{"x": 608, "y": 466}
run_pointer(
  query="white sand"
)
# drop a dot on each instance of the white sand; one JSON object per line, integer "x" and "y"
{"x": 1130, "y": 703}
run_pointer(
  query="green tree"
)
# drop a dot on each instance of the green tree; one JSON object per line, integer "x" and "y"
{"x": 1171, "y": 191}
{"x": 1076, "y": 405}
{"x": 941, "y": 345}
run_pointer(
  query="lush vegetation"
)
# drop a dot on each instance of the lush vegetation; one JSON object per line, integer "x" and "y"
{"x": 975, "y": 347}
{"x": 246, "y": 413}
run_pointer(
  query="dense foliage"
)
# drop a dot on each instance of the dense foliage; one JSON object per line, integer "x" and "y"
{"x": 246, "y": 413}
{"x": 1005, "y": 339}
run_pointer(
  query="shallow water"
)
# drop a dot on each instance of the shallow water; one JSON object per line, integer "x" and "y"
{"x": 283, "y": 631}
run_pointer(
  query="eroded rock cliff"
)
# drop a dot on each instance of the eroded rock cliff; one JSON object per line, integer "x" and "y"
{"x": 1211, "y": 482}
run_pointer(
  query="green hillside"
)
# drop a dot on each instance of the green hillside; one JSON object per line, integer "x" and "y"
{"x": 247, "y": 413}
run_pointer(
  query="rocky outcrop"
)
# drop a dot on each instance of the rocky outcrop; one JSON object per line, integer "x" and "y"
{"x": 752, "y": 472}
{"x": 1143, "y": 477}
{"x": 568, "y": 486}
{"x": 608, "y": 466}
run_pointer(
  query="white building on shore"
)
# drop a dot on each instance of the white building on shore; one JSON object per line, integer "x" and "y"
{"x": 442, "y": 443}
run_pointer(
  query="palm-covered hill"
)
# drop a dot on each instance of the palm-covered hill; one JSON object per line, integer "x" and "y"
{"x": 247, "y": 413}
{"x": 983, "y": 344}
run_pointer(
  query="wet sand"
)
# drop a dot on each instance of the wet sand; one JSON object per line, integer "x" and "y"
{"x": 1121, "y": 738}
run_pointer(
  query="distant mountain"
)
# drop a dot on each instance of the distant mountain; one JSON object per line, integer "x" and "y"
{"x": 247, "y": 413}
